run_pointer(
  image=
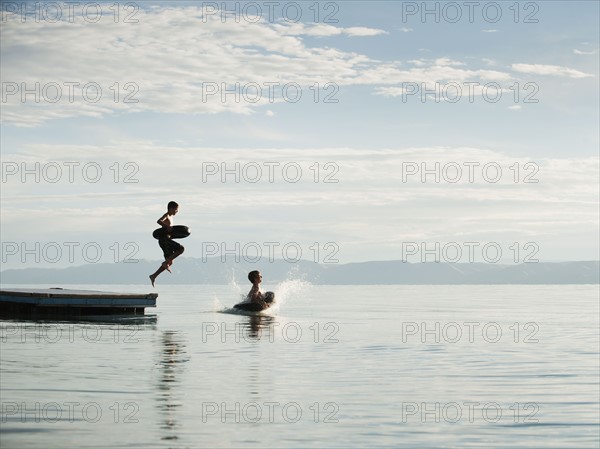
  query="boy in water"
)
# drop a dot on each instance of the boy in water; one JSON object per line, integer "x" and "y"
{"x": 171, "y": 249}
{"x": 255, "y": 295}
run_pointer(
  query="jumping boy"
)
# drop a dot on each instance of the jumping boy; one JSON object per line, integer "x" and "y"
{"x": 171, "y": 249}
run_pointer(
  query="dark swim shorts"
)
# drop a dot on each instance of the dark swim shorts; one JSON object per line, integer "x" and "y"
{"x": 169, "y": 247}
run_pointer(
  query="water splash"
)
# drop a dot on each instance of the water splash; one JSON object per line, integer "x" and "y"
{"x": 217, "y": 304}
{"x": 233, "y": 283}
{"x": 290, "y": 290}
{"x": 235, "y": 287}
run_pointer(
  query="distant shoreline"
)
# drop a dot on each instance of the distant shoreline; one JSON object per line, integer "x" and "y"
{"x": 192, "y": 271}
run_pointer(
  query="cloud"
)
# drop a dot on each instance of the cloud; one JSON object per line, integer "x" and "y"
{"x": 583, "y": 52}
{"x": 174, "y": 60}
{"x": 325, "y": 30}
{"x": 432, "y": 73}
{"x": 363, "y": 31}
{"x": 221, "y": 195}
{"x": 177, "y": 60}
{"x": 444, "y": 80}
{"x": 551, "y": 70}
{"x": 244, "y": 171}
{"x": 406, "y": 30}
{"x": 392, "y": 91}
{"x": 489, "y": 31}
{"x": 447, "y": 62}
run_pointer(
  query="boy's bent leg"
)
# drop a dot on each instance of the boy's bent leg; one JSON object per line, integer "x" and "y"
{"x": 178, "y": 252}
{"x": 171, "y": 250}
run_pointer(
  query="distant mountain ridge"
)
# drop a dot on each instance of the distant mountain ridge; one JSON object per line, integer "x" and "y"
{"x": 215, "y": 271}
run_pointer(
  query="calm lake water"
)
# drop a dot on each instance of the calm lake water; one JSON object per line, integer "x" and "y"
{"x": 334, "y": 366}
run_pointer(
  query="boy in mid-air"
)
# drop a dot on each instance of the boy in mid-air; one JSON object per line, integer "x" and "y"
{"x": 171, "y": 249}
{"x": 255, "y": 295}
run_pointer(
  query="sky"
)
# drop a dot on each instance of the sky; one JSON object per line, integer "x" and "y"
{"x": 336, "y": 132}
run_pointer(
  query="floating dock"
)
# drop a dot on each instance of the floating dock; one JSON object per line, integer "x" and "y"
{"x": 58, "y": 302}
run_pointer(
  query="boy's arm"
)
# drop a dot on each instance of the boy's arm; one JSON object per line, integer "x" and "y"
{"x": 161, "y": 221}
{"x": 254, "y": 294}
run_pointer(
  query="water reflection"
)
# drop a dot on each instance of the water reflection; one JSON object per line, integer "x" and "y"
{"x": 259, "y": 327}
{"x": 171, "y": 365}
{"x": 259, "y": 330}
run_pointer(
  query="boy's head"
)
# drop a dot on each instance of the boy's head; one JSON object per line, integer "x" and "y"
{"x": 254, "y": 276}
{"x": 172, "y": 207}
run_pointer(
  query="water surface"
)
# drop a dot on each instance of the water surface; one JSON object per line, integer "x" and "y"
{"x": 334, "y": 366}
